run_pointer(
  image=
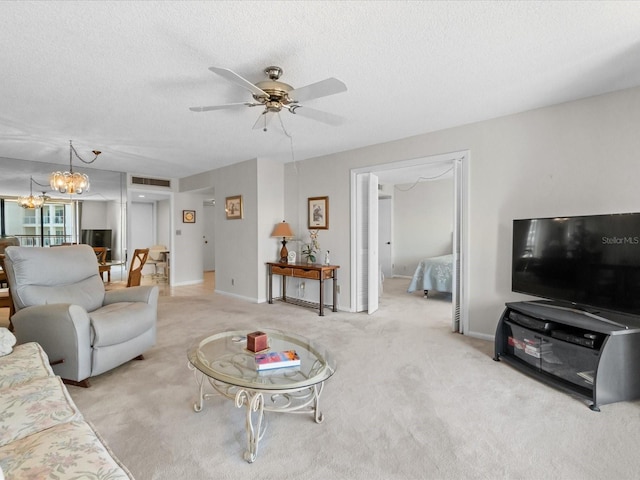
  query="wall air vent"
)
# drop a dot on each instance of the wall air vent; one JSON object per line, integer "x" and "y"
{"x": 156, "y": 182}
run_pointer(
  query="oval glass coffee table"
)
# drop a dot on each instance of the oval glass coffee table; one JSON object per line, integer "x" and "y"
{"x": 223, "y": 360}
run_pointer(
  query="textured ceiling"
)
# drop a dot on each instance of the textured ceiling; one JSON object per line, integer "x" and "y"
{"x": 119, "y": 76}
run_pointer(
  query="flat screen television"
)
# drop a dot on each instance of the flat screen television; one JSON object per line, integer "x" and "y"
{"x": 98, "y": 238}
{"x": 591, "y": 262}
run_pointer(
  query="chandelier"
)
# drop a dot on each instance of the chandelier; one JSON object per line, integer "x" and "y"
{"x": 72, "y": 182}
{"x": 31, "y": 201}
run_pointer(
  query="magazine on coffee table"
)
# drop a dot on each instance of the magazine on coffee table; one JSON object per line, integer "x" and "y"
{"x": 270, "y": 360}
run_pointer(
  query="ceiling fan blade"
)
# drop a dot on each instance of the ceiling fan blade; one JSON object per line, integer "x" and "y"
{"x": 238, "y": 80}
{"x": 223, "y": 107}
{"x": 323, "y": 88}
{"x": 313, "y": 114}
{"x": 263, "y": 120}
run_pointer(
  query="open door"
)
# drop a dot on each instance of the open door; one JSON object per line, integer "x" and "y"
{"x": 367, "y": 239}
{"x": 458, "y": 203}
{"x": 374, "y": 263}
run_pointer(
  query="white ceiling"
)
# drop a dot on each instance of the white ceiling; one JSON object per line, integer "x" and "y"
{"x": 119, "y": 76}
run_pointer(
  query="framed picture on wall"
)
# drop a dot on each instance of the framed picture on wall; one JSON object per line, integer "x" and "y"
{"x": 233, "y": 207}
{"x": 318, "y": 213}
{"x": 188, "y": 216}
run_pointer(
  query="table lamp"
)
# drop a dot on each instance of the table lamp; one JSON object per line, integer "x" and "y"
{"x": 283, "y": 230}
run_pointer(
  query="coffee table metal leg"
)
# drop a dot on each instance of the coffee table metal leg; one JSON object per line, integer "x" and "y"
{"x": 200, "y": 381}
{"x": 317, "y": 414}
{"x": 255, "y": 404}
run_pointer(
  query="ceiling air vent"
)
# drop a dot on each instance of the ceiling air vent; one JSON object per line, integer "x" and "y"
{"x": 156, "y": 182}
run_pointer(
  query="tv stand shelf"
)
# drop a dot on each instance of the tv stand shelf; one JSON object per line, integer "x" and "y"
{"x": 594, "y": 355}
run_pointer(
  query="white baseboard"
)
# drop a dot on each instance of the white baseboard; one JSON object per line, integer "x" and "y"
{"x": 234, "y": 295}
{"x": 184, "y": 284}
{"x": 481, "y": 336}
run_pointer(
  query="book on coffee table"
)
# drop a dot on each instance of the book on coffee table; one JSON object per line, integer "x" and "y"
{"x": 270, "y": 360}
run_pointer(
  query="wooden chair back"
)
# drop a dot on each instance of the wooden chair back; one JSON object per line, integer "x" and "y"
{"x": 5, "y": 294}
{"x": 101, "y": 254}
{"x": 135, "y": 270}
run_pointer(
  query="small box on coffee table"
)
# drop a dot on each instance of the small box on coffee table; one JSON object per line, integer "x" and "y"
{"x": 257, "y": 341}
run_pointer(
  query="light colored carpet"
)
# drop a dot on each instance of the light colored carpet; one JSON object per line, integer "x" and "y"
{"x": 410, "y": 400}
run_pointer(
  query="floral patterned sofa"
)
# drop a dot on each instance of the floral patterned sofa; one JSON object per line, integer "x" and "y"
{"x": 42, "y": 433}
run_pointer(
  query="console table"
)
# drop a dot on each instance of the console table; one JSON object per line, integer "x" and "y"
{"x": 312, "y": 271}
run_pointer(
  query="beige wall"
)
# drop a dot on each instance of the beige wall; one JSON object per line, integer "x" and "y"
{"x": 575, "y": 158}
{"x": 237, "y": 240}
{"x": 270, "y": 206}
{"x": 422, "y": 223}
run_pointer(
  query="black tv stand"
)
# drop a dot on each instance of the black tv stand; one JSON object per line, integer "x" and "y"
{"x": 583, "y": 311}
{"x": 593, "y": 356}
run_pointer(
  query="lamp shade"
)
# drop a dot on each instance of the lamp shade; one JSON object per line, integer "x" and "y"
{"x": 282, "y": 229}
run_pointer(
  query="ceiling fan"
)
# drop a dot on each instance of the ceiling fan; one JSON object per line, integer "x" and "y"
{"x": 275, "y": 96}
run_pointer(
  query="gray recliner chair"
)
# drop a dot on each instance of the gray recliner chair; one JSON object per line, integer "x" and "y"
{"x": 61, "y": 303}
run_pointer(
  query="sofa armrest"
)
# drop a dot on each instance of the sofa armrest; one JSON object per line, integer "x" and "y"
{"x": 146, "y": 294}
{"x": 64, "y": 332}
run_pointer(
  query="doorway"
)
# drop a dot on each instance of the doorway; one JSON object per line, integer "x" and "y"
{"x": 150, "y": 222}
{"x": 363, "y": 238}
{"x": 208, "y": 236}
{"x": 142, "y": 228}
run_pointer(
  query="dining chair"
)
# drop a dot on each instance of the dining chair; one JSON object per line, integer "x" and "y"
{"x": 157, "y": 257}
{"x": 5, "y": 294}
{"x": 101, "y": 256}
{"x": 140, "y": 256}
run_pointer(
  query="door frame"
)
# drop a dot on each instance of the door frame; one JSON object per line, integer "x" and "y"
{"x": 152, "y": 196}
{"x": 460, "y": 159}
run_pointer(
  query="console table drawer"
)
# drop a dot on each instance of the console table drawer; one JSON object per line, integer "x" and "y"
{"x": 287, "y": 272}
{"x": 312, "y": 274}
{"x": 297, "y": 272}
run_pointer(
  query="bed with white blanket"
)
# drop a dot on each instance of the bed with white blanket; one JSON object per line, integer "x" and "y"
{"x": 435, "y": 273}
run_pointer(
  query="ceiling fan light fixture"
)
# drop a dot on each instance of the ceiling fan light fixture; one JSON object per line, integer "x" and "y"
{"x": 272, "y": 107}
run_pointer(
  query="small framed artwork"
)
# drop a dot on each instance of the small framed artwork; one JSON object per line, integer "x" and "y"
{"x": 318, "y": 213}
{"x": 188, "y": 216}
{"x": 233, "y": 207}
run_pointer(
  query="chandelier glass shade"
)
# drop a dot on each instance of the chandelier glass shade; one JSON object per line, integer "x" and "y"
{"x": 71, "y": 182}
{"x": 31, "y": 201}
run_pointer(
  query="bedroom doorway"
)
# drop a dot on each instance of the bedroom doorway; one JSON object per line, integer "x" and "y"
{"x": 364, "y": 237}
